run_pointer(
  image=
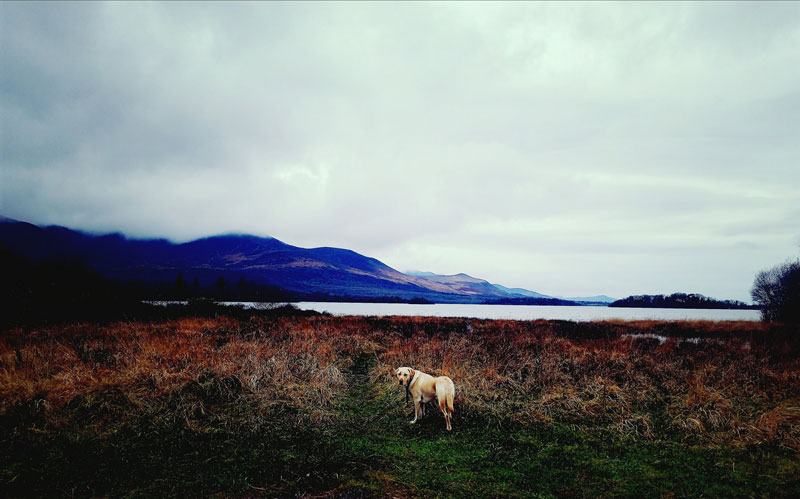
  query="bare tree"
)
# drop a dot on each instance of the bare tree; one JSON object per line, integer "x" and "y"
{"x": 777, "y": 291}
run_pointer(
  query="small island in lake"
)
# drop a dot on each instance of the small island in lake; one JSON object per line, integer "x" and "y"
{"x": 680, "y": 300}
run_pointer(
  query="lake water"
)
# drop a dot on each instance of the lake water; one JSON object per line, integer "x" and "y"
{"x": 525, "y": 312}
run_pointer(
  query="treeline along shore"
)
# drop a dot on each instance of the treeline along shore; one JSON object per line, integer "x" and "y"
{"x": 280, "y": 402}
{"x": 681, "y": 300}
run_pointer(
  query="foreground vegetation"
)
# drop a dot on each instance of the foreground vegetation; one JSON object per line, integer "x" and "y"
{"x": 285, "y": 404}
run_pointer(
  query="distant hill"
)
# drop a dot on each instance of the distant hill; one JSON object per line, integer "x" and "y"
{"x": 679, "y": 300}
{"x": 579, "y": 300}
{"x": 247, "y": 267}
{"x": 592, "y": 299}
{"x": 313, "y": 273}
{"x": 241, "y": 266}
{"x": 461, "y": 283}
{"x": 520, "y": 292}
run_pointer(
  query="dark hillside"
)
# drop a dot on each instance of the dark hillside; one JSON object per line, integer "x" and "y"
{"x": 262, "y": 261}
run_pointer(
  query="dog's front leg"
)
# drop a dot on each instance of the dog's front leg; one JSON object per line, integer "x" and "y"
{"x": 416, "y": 411}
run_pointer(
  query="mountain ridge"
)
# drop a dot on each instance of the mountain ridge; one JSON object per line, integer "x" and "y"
{"x": 322, "y": 271}
{"x": 521, "y": 292}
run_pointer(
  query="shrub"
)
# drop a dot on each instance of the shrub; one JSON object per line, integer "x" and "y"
{"x": 777, "y": 291}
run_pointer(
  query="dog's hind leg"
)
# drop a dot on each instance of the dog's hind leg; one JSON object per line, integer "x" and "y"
{"x": 444, "y": 395}
{"x": 443, "y": 407}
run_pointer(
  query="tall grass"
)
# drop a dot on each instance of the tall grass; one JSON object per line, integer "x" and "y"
{"x": 738, "y": 386}
{"x": 174, "y": 369}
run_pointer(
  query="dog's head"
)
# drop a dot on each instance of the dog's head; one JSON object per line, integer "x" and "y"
{"x": 404, "y": 375}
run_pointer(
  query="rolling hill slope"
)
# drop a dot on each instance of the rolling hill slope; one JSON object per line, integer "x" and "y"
{"x": 235, "y": 257}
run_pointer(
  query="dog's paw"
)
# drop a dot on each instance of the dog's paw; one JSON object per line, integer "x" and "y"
{"x": 412, "y": 422}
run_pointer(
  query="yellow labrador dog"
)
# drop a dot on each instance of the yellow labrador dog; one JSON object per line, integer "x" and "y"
{"x": 423, "y": 387}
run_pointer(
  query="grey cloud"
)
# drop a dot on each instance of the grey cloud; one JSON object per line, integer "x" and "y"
{"x": 571, "y": 148}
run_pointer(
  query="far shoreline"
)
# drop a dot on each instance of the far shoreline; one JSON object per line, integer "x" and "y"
{"x": 580, "y": 313}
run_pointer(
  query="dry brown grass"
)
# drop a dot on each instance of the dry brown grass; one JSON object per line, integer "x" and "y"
{"x": 191, "y": 363}
{"x": 742, "y": 386}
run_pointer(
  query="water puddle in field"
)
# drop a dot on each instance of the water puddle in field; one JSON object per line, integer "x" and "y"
{"x": 647, "y": 336}
{"x": 663, "y": 339}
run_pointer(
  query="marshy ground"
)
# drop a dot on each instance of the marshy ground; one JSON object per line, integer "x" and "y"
{"x": 291, "y": 405}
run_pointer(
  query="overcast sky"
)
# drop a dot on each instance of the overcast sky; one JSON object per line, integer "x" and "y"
{"x": 571, "y": 149}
